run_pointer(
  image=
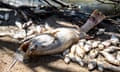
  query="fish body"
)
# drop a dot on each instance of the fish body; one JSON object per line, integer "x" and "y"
{"x": 47, "y": 43}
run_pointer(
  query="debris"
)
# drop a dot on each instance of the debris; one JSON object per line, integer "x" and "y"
{"x": 1, "y": 17}
{"x": 100, "y": 32}
{"x": 0, "y": 22}
{"x": 6, "y": 17}
{"x": 18, "y": 24}
{"x": 100, "y": 68}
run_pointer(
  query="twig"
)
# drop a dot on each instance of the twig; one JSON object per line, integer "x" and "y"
{"x": 112, "y": 16}
{"x": 104, "y": 2}
{"x": 11, "y": 65}
{"x": 62, "y": 3}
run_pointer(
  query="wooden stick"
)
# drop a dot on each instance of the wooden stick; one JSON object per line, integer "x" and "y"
{"x": 11, "y": 65}
{"x": 62, "y": 3}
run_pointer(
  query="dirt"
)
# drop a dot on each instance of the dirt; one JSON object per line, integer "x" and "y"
{"x": 36, "y": 64}
{"x": 8, "y": 47}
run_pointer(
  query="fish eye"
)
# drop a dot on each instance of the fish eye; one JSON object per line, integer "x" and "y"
{"x": 36, "y": 46}
{"x": 43, "y": 46}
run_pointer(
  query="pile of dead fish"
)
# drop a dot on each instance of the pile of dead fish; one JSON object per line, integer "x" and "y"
{"x": 94, "y": 54}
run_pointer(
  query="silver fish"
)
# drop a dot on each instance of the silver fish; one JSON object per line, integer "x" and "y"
{"x": 92, "y": 65}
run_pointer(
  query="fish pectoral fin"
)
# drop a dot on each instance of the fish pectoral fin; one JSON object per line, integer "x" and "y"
{"x": 53, "y": 33}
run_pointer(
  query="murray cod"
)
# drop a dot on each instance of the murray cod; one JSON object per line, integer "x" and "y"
{"x": 56, "y": 40}
{"x": 59, "y": 39}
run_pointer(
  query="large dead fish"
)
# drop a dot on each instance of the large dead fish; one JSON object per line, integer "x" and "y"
{"x": 64, "y": 37}
{"x": 50, "y": 43}
{"x": 56, "y": 40}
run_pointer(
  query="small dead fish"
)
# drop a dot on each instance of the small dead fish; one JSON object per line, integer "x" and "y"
{"x": 89, "y": 42}
{"x": 81, "y": 44}
{"x": 118, "y": 56}
{"x": 95, "y": 44}
{"x": 110, "y": 58}
{"x": 66, "y": 52}
{"x": 93, "y": 53}
{"x": 114, "y": 40}
{"x": 72, "y": 56}
{"x": 101, "y": 46}
{"x": 79, "y": 60}
{"x": 73, "y": 49}
{"x": 80, "y": 52}
{"x": 111, "y": 49}
{"x": 67, "y": 59}
{"x": 92, "y": 65}
{"x": 82, "y": 40}
{"x": 100, "y": 67}
{"x": 106, "y": 43}
{"x": 87, "y": 47}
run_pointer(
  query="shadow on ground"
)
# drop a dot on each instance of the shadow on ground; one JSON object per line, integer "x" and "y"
{"x": 40, "y": 63}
